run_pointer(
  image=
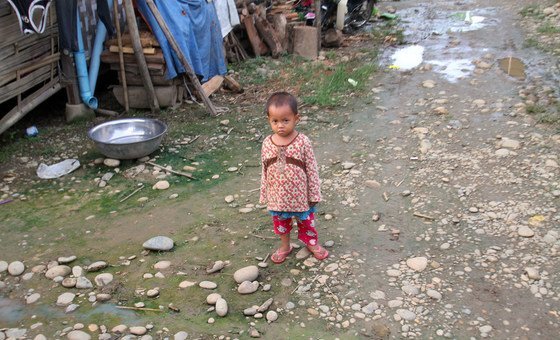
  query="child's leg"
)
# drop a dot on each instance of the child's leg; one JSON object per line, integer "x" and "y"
{"x": 282, "y": 227}
{"x": 308, "y": 235}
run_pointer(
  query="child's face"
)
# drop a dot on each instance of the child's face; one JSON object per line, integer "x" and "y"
{"x": 282, "y": 120}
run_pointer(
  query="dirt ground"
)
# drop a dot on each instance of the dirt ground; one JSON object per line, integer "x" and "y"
{"x": 442, "y": 165}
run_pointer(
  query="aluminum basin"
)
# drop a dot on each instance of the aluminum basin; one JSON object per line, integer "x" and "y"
{"x": 128, "y": 138}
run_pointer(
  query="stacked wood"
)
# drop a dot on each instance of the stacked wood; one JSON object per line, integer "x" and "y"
{"x": 152, "y": 52}
{"x": 266, "y": 30}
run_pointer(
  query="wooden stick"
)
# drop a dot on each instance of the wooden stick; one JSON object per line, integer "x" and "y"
{"x": 139, "y": 54}
{"x": 140, "y": 308}
{"x": 417, "y": 214}
{"x": 401, "y": 182}
{"x": 121, "y": 54}
{"x": 172, "y": 171}
{"x": 190, "y": 73}
{"x": 385, "y": 197}
{"x": 263, "y": 237}
{"x": 315, "y": 278}
{"x": 131, "y": 194}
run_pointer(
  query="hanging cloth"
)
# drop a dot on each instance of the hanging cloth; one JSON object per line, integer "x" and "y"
{"x": 25, "y": 11}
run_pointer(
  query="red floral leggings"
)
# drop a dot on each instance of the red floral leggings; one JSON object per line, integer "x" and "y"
{"x": 306, "y": 228}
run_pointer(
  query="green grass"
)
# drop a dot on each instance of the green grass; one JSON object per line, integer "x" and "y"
{"x": 531, "y": 11}
{"x": 544, "y": 116}
{"x": 535, "y": 109}
{"x": 548, "y": 28}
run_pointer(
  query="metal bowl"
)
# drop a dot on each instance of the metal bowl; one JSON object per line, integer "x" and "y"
{"x": 128, "y": 138}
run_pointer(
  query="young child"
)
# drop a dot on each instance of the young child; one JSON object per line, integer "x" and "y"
{"x": 290, "y": 179}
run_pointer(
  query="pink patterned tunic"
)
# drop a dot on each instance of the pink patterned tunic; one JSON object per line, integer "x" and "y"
{"x": 290, "y": 178}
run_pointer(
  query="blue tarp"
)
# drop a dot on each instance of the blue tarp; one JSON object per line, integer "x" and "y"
{"x": 195, "y": 26}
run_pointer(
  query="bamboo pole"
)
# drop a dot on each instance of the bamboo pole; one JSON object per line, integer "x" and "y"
{"x": 121, "y": 55}
{"x": 139, "y": 54}
{"x": 190, "y": 73}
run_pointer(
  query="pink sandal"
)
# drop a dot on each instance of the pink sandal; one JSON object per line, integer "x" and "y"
{"x": 280, "y": 256}
{"x": 319, "y": 252}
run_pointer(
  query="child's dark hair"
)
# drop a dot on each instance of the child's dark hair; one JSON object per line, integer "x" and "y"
{"x": 280, "y": 99}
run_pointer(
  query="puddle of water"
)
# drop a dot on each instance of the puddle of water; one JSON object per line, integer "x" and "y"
{"x": 408, "y": 58}
{"x": 513, "y": 67}
{"x": 453, "y": 70}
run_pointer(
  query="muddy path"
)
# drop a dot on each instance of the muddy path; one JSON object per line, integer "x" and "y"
{"x": 440, "y": 212}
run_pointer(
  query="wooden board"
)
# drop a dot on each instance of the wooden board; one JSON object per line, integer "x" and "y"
{"x": 19, "y": 86}
{"x": 154, "y": 69}
{"x": 113, "y": 58}
{"x": 130, "y": 50}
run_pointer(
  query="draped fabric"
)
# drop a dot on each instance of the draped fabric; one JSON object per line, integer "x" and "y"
{"x": 196, "y": 29}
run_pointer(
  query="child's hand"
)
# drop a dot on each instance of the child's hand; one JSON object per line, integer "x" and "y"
{"x": 312, "y": 204}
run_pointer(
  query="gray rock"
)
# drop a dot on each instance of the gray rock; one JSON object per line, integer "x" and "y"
{"x": 78, "y": 335}
{"x": 525, "y": 231}
{"x": 159, "y": 243}
{"x": 250, "y": 311}
{"x": 406, "y": 314}
{"x": 249, "y": 273}
{"x": 3, "y": 266}
{"x": 370, "y": 308}
{"x": 72, "y": 307}
{"x": 162, "y": 265}
{"x": 434, "y": 294}
{"x": 96, "y": 266}
{"x": 265, "y": 306}
{"x": 16, "y": 333}
{"x": 83, "y": 283}
{"x": 247, "y": 287}
{"x": 411, "y": 290}
{"x": 16, "y": 268}
{"x": 32, "y": 298}
{"x": 55, "y": 271}
{"x": 77, "y": 271}
{"x": 216, "y": 266}
{"x": 395, "y": 303}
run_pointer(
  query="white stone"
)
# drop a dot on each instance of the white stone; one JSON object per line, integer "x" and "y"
{"x": 248, "y": 273}
{"x": 525, "y": 231}
{"x": 417, "y": 263}
{"x": 229, "y": 198}
{"x": 182, "y": 335}
{"x": 152, "y": 292}
{"x": 138, "y": 330}
{"x": 66, "y": 259}
{"x": 216, "y": 266}
{"x": 112, "y": 163}
{"x": 161, "y": 265}
{"x": 3, "y": 266}
{"x": 331, "y": 267}
{"x": 410, "y": 290}
{"x": 161, "y": 185}
{"x": 485, "y": 329}
{"x": 212, "y": 298}
{"x": 510, "y": 144}
{"x": 271, "y": 316}
{"x": 16, "y": 268}
{"x": 502, "y": 152}
{"x": 406, "y": 314}
{"x": 434, "y": 294}
{"x": 103, "y": 279}
{"x": 221, "y": 307}
{"x": 77, "y": 271}
{"x": 65, "y": 299}
{"x": 32, "y": 298}
{"x": 186, "y": 284}
{"x": 78, "y": 335}
{"x": 533, "y": 273}
{"x": 207, "y": 285}
{"x": 394, "y": 303}
{"x": 393, "y": 272}
{"x": 58, "y": 271}
{"x": 248, "y": 287}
